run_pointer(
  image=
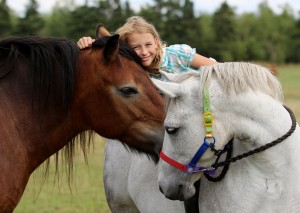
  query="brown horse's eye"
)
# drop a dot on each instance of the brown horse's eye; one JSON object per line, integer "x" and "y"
{"x": 128, "y": 91}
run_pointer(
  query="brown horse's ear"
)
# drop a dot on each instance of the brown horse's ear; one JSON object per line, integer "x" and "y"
{"x": 101, "y": 31}
{"x": 111, "y": 48}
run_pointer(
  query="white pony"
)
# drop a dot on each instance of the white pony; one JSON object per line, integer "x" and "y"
{"x": 242, "y": 103}
{"x": 130, "y": 183}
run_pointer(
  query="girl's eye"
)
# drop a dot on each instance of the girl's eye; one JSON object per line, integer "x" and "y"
{"x": 135, "y": 47}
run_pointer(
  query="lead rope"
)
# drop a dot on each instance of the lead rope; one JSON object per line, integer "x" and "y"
{"x": 229, "y": 160}
{"x": 227, "y": 149}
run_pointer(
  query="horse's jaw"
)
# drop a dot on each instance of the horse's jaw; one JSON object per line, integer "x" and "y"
{"x": 152, "y": 141}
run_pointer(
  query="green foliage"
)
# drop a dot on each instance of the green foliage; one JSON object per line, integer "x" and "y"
{"x": 5, "y": 19}
{"x": 223, "y": 35}
{"x": 224, "y": 26}
{"x": 205, "y": 37}
{"x": 82, "y": 22}
{"x": 293, "y": 44}
{"x": 54, "y": 25}
{"x": 32, "y": 23}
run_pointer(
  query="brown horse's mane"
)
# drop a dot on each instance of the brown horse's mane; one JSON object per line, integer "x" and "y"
{"x": 46, "y": 55}
{"x": 50, "y": 58}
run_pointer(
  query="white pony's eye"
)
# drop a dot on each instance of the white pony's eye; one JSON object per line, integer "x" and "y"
{"x": 171, "y": 130}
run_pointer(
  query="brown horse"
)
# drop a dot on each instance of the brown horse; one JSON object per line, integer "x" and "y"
{"x": 50, "y": 92}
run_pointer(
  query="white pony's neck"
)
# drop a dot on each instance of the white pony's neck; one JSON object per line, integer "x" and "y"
{"x": 259, "y": 120}
{"x": 247, "y": 102}
{"x": 269, "y": 179}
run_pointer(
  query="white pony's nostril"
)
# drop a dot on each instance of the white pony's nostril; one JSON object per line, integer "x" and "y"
{"x": 160, "y": 189}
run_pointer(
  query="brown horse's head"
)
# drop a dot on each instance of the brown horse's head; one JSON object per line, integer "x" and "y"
{"x": 116, "y": 96}
{"x": 50, "y": 92}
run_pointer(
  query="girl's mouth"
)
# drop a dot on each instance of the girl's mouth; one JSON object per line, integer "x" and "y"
{"x": 145, "y": 58}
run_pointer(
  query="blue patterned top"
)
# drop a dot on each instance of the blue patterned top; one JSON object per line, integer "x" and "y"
{"x": 177, "y": 58}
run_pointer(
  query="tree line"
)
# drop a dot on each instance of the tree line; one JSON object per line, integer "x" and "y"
{"x": 224, "y": 35}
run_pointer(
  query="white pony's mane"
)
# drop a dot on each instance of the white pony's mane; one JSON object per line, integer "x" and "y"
{"x": 239, "y": 77}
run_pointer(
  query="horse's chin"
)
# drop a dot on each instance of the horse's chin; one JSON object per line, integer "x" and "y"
{"x": 148, "y": 142}
{"x": 152, "y": 151}
{"x": 180, "y": 192}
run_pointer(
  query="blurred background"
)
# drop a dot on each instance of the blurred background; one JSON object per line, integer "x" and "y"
{"x": 242, "y": 30}
{"x": 260, "y": 31}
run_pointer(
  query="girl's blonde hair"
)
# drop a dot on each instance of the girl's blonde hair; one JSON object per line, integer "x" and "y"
{"x": 137, "y": 24}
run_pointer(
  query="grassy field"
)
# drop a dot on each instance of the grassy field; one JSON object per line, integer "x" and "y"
{"x": 289, "y": 77}
{"x": 87, "y": 195}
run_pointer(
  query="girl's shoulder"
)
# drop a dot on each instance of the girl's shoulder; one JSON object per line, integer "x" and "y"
{"x": 177, "y": 58}
{"x": 179, "y": 49}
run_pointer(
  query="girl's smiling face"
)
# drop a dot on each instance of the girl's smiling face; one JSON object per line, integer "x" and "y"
{"x": 145, "y": 45}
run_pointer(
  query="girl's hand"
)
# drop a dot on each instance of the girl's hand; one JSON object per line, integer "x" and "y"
{"x": 85, "y": 42}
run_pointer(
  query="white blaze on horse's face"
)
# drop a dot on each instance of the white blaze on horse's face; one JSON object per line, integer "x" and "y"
{"x": 184, "y": 134}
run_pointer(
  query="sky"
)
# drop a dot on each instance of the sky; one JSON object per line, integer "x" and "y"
{"x": 210, "y": 6}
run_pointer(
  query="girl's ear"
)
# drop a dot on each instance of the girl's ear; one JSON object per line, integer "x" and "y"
{"x": 156, "y": 42}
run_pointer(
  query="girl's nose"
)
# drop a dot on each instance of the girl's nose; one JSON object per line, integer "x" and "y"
{"x": 144, "y": 50}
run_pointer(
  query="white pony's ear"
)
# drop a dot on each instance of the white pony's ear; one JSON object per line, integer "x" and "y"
{"x": 169, "y": 89}
{"x": 169, "y": 76}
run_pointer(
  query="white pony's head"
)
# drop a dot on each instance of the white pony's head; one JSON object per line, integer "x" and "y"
{"x": 234, "y": 88}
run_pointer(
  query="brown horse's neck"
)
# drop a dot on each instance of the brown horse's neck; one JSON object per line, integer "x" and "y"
{"x": 46, "y": 138}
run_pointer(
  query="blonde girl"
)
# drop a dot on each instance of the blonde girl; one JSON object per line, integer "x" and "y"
{"x": 154, "y": 54}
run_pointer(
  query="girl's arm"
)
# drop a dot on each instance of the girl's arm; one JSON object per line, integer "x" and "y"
{"x": 200, "y": 60}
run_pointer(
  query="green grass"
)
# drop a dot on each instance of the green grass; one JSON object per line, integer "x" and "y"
{"x": 289, "y": 76}
{"x": 87, "y": 195}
